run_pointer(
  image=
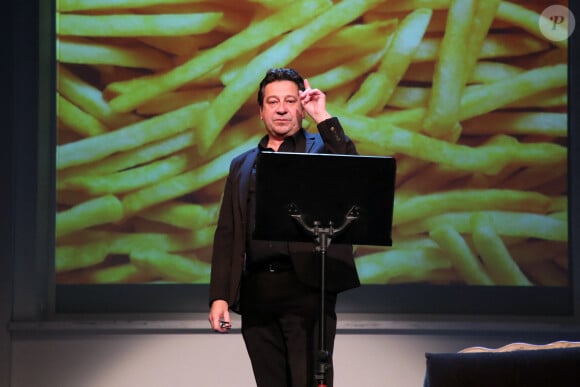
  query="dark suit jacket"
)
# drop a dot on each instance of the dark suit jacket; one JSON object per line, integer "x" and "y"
{"x": 228, "y": 258}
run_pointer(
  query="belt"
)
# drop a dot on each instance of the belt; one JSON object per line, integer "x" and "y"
{"x": 271, "y": 266}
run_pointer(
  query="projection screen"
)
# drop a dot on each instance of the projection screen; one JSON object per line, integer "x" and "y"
{"x": 155, "y": 97}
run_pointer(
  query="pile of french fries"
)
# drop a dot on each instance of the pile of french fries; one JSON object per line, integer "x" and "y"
{"x": 155, "y": 97}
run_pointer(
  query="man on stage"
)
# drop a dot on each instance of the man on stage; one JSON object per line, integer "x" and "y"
{"x": 275, "y": 286}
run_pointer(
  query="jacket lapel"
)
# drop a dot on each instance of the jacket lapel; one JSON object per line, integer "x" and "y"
{"x": 311, "y": 141}
{"x": 245, "y": 173}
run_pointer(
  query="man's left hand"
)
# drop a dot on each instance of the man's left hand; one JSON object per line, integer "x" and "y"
{"x": 314, "y": 103}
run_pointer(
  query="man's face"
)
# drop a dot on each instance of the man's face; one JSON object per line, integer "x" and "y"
{"x": 282, "y": 110}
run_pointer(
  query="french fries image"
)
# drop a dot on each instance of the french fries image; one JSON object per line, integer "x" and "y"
{"x": 155, "y": 97}
{"x": 134, "y": 25}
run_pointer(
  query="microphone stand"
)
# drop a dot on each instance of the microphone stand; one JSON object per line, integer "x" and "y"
{"x": 323, "y": 237}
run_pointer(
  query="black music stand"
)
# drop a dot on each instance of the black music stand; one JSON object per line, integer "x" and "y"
{"x": 345, "y": 199}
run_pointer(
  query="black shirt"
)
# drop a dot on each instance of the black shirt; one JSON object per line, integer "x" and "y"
{"x": 259, "y": 251}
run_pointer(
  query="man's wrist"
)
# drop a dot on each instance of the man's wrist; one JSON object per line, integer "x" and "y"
{"x": 321, "y": 117}
{"x": 216, "y": 300}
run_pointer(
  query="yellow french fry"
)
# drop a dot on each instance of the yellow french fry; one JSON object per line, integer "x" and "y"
{"x": 418, "y": 207}
{"x": 521, "y": 224}
{"x": 449, "y": 78}
{"x": 171, "y": 267}
{"x": 184, "y": 215}
{"x": 77, "y": 120}
{"x": 527, "y": 19}
{"x": 84, "y": 51}
{"x": 130, "y": 137}
{"x": 129, "y": 25}
{"x": 464, "y": 261}
{"x": 494, "y": 253}
{"x": 104, "y": 209}
{"x": 378, "y": 87}
{"x": 386, "y": 266}
{"x": 91, "y": 5}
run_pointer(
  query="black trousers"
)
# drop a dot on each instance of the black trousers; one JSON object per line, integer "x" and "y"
{"x": 281, "y": 331}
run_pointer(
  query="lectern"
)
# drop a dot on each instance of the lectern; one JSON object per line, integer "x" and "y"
{"x": 324, "y": 198}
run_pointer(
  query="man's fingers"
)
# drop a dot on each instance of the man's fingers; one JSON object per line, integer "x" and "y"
{"x": 214, "y": 322}
{"x": 220, "y": 323}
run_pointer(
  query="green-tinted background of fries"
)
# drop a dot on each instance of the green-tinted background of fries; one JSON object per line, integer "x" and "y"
{"x": 156, "y": 97}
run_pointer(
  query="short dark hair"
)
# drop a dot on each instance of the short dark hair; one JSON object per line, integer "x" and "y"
{"x": 279, "y": 74}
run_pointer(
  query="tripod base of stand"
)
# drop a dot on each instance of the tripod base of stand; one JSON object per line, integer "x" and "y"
{"x": 323, "y": 365}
